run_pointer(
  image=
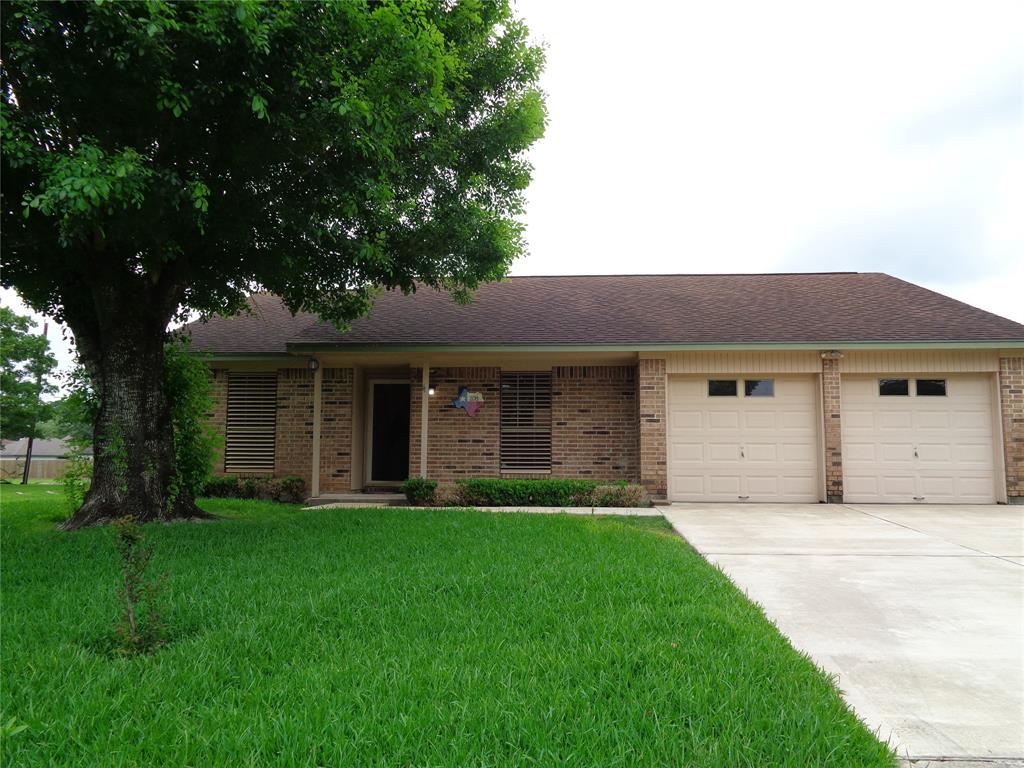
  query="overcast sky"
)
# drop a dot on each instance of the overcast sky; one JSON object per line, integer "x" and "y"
{"x": 782, "y": 136}
{"x": 773, "y": 137}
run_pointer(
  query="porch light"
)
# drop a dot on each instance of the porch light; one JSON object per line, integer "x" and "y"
{"x": 430, "y": 391}
{"x": 313, "y": 363}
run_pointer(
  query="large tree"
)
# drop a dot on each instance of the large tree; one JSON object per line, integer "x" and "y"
{"x": 162, "y": 158}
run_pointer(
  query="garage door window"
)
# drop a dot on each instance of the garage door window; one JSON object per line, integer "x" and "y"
{"x": 721, "y": 387}
{"x": 759, "y": 387}
{"x": 931, "y": 387}
{"x": 893, "y": 387}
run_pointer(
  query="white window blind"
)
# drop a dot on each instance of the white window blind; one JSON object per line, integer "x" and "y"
{"x": 526, "y": 422}
{"x": 252, "y": 422}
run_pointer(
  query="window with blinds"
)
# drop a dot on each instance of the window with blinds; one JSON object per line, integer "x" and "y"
{"x": 252, "y": 422}
{"x": 526, "y": 422}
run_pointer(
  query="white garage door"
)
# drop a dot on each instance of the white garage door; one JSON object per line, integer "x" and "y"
{"x": 912, "y": 439}
{"x": 736, "y": 438}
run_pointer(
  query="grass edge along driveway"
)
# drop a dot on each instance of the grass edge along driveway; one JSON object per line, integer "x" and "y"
{"x": 393, "y": 637}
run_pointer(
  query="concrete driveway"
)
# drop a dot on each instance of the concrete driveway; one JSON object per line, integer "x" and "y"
{"x": 918, "y": 609}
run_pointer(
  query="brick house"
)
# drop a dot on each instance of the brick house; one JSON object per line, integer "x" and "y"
{"x": 788, "y": 387}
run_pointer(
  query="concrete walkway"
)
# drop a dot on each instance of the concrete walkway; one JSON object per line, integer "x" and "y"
{"x": 919, "y": 611}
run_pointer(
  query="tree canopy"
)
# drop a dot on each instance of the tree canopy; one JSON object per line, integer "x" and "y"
{"x": 316, "y": 150}
{"x": 25, "y": 369}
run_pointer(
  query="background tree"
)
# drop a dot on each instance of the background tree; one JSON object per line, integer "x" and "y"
{"x": 160, "y": 158}
{"x": 26, "y": 366}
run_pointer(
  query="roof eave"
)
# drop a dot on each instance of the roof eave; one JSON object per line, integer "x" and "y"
{"x": 298, "y": 348}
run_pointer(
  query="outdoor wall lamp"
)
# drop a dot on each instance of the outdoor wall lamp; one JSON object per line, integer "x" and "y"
{"x": 313, "y": 363}
{"x": 430, "y": 385}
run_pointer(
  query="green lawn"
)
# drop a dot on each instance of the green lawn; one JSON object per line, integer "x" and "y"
{"x": 403, "y": 637}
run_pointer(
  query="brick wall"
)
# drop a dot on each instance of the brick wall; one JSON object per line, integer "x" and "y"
{"x": 1011, "y": 397}
{"x": 652, "y": 412}
{"x": 218, "y": 414}
{"x": 415, "y": 419}
{"x": 293, "y": 451}
{"x": 335, "y": 430}
{"x": 594, "y": 426}
{"x": 459, "y": 445}
{"x": 830, "y": 406}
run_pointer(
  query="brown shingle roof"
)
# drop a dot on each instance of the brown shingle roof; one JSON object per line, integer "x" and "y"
{"x": 630, "y": 309}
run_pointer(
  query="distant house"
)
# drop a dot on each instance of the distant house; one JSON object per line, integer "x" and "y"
{"x": 779, "y": 387}
{"x": 49, "y": 458}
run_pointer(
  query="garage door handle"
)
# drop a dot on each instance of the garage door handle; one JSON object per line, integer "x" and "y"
{"x": 919, "y": 498}
{"x": 743, "y": 498}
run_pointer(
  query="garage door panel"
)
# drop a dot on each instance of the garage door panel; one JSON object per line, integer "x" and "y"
{"x": 688, "y": 452}
{"x": 858, "y": 420}
{"x": 723, "y": 420}
{"x": 853, "y": 453}
{"x": 934, "y": 452}
{"x": 729, "y": 452}
{"x": 893, "y": 421}
{"x": 860, "y": 485}
{"x": 897, "y": 451}
{"x": 756, "y": 448}
{"x": 899, "y": 485}
{"x": 763, "y": 420}
{"x": 682, "y": 419}
{"x": 911, "y": 448}
{"x": 977, "y": 419}
{"x": 725, "y": 485}
{"x": 937, "y": 420}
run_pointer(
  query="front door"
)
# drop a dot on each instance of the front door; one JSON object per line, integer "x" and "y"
{"x": 389, "y": 431}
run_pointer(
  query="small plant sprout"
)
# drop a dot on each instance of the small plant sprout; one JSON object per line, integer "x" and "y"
{"x": 139, "y": 629}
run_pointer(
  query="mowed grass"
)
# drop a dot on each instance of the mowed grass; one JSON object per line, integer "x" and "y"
{"x": 403, "y": 637}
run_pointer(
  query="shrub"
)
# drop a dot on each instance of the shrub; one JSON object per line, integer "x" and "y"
{"x": 420, "y": 491}
{"x": 289, "y": 489}
{"x": 190, "y": 392}
{"x": 620, "y": 495}
{"x": 487, "y": 492}
{"x": 555, "y": 492}
{"x": 76, "y": 479}
{"x": 221, "y": 487}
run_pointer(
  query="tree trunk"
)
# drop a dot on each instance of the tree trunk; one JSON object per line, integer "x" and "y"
{"x": 121, "y": 343}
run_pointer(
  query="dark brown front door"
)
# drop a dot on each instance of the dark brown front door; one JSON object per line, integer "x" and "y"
{"x": 389, "y": 449}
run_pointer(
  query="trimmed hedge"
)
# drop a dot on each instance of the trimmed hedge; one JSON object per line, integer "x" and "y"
{"x": 290, "y": 489}
{"x": 420, "y": 491}
{"x": 554, "y": 492}
{"x": 487, "y": 492}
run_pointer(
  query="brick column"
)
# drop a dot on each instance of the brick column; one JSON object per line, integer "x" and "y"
{"x": 830, "y": 406}
{"x": 293, "y": 454}
{"x": 336, "y": 430}
{"x": 1011, "y": 406}
{"x": 653, "y": 439}
{"x": 415, "y": 421}
{"x": 217, "y": 416}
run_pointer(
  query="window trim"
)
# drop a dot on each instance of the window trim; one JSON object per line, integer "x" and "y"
{"x": 525, "y": 448}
